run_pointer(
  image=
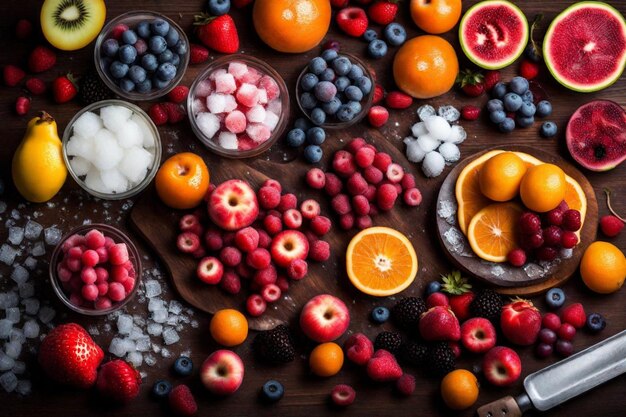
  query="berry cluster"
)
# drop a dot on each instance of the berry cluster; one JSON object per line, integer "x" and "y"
{"x": 171, "y": 111}
{"x": 364, "y": 182}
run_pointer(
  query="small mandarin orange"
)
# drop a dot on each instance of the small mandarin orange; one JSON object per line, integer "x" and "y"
{"x": 603, "y": 267}
{"x": 435, "y": 16}
{"x": 182, "y": 181}
{"x": 229, "y": 327}
{"x": 326, "y": 359}
{"x": 543, "y": 187}
{"x": 459, "y": 389}
{"x": 500, "y": 177}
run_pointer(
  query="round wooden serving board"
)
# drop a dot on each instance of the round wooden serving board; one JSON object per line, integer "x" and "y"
{"x": 533, "y": 278}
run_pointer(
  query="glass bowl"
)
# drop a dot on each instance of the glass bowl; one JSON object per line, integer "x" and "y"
{"x": 152, "y": 170}
{"x": 132, "y": 19}
{"x": 58, "y": 254}
{"x": 223, "y": 64}
{"x": 366, "y": 102}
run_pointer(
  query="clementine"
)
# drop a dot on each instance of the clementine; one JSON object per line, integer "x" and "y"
{"x": 501, "y": 175}
{"x": 182, "y": 181}
{"x": 326, "y": 359}
{"x": 435, "y": 16}
{"x": 543, "y": 187}
{"x": 459, "y": 389}
{"x": 229, "y": 327}
{"x": 603, "y": 267}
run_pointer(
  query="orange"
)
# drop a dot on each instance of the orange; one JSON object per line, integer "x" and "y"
{"x": 425, "y": 67}
{"x": 603, "y": 267}
{"x": 291, "y": 25}
{"x": 435, "y": 16}
{"x": 381, "y": 261}
{"x": 543, "y": 187}
{"x": 492, "y": 231}
{"x": 182, "y": 181}
{"x": 501, "y": 175}
{"x": 459, "y": 389}
{"x": 229, "y": 327}
{"x": 326, "y": 359}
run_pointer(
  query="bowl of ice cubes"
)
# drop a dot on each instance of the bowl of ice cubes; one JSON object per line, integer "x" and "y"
{"x": 112, "y": 149}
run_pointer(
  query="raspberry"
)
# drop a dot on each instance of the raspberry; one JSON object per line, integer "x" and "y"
{"x": 555, "y": 217}
{"x": 408, "y": 181}
{"x": 342, "y": 395}
{"x": 283, "y": 283}
{"x": 529, "y": 223}
{"x": 259, "y": 258}
{"x": 412, "y": 197}
{"x": 264, "y": 239}
{"x": 265, "y": 276}
{"x": 274, "y": 184}
{"x": 406, "y": 384}
{"x": 364, "y": 157}
{"x": 341, "y": 204}
{"x": 243, "y": 270}
{"x": 189, "y": 223}
{"x": 358, "y": 348}
{"x": 395, "y": 173}
{"x": 552, "y": 236}
{"x": 231, "y": 283}
{"x": 516, "y": 257}
{"x": 319, "y": 250}
{"x": 354, "y": 145}
{"x": 228, "y": 238}
{"x": 533, "y": 241}
{"x": 269, "y": 197}
{"x": 356, "y": 184}
{"x": 271, "y": 293}
{"x": 272, "y": 224}
{"x": 546, "y": 253}
{"x": 158, "y": 114}
{"x": 187, "y": 242}
{"x": 333, "y": 184}
{"x": 382, "y": 161}
{"x": 310, "y": 209}
{"x": 370, "y": 194}
{"x": 346, "y": 221}
{"x": 287, "y": 201}
{"x": 320, "y": 225}
{"x": 255, "y": 305}
{"x": 611, "y": 226}
{"x": 213, "y": 240}
{"x": 94, "y": 239}
{"x": 360, "y": 205}
{"x": 315, "y": 178}
{"x": 386, "y": 197}
{"x": 297, "y": 269}
{"x": 292, "y": 218}
{"x": 182, "y": 401}
{"x": 230, "y": 256}
{"x": 571, "y": 220}
{"x": 372, "y": 175}
{"x": 343, "y": 164}
{"x": 247, "y": 239}
{"x": 373, "y": 210}
{"x": 90, "y": 258}
{"x": 36, "y": 86}
{"x": 363, "y": 222}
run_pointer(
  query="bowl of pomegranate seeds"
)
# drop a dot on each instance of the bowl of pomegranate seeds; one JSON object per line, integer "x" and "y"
{"x": 95, "y": 269}
{"x": 238, "y": 106}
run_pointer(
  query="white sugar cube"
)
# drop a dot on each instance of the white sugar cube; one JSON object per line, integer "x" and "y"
{"x": 155, "y": 304}
{"x": 38, "y": 249}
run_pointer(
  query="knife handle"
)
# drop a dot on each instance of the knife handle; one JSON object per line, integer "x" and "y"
{"x": 504, "y": 407}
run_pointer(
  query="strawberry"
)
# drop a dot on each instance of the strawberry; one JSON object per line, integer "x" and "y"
{"x": 64, "y": 89}
{"x": 460, "y": 295}
{"x": 460, "y": 305}
{"x": 36, "y": 86}
{"x": 241, "y": 3}
{"x": 352, "y": 20}
{"x": 470, "y": 112}
{"x": 178, "y": 94}
{"x": 439, "y": 324}
{"x": 437, "y": 299}
{"x": 383, "y": 367}
{"x": 339, "y": 3}
{"x": 118, "y": 381}
{"x": 378, "y": 116}
{"x": 574, "y": 314}
{"x": 398, "y": 100}
{"x": 472, "y": 83}
{"x": 359, "y": 348}
{"x": 379, "y": 94}
{"x": 520, "y": 322}
{"x": 182, "y": 401}
{"x": 383, "y": 12}
{"x": 528, "y": 69}
{"x": 198, "y": 54}
{"x": 12, "y": 75}
{"x": 41, "y": 59}
{"x": 611, "y": 226}
{"x": 23, "y": 29}
{"x": 491, "y": 78}
{"x": 22, "y": 105}
{"x": 473, "y": 90}
{"x": 158, "y": 114}
{"x": 68, "y": 355}
{"x": 175, "y": 112}
{"x": 218, "y": 33}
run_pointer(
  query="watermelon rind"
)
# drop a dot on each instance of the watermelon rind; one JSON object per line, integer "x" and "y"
{"x": 550, "y": 32}
{"x": 490, "y": 65}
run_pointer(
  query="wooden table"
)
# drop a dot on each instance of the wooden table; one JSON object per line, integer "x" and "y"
{"x": 304, "y": 394}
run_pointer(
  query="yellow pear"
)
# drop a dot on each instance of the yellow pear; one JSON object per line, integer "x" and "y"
{"x": 38, "y": 167}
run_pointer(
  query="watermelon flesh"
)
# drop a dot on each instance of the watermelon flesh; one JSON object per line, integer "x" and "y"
{"x": 585, "y": 46}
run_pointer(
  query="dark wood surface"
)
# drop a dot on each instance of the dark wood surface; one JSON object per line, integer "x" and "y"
{"x": 305, "y": 394}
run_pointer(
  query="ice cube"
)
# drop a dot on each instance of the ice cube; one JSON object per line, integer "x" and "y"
{"x": 204, "y": 88}
{"x": 19, "y": 367}
{"x": 24, "y": 387}
{"x": 107, "y": 152}
{"x": 135, "y": 359}
{"x": 16, "y": 235}
{"x": 256, "y": 114}
{"x": 94, "y": 182}
{"x": 425, "y": 111}
{"x": 32, "y": 230}
{"x": 8, "y": 300}
{"x": 427, "y": 143}
{"x": 198, "y": 106}
{"x": 143, "y": 344}
{"x": 159, "y": 316}
{"x": 147, "y": 136}
{"x": 150, "y": 360}
{"x": 135, "y": 164}
{"x": 46, "y": 314}
{"x": 80, "y": 146}
{"x": 31, "y": 306}
{"x": 225, "y": 83}
{"x": 130, "y": 135}
{"x": 165, "y": 353}
{"x": 124, "y": 324}
{"x": 38, "y": 249}
{"x": 114, "y": 117}
{"x": 5, "y": 328}
{"x": 8, "y": 381}
{"x": 155, "y": 329}
{"x": 87, "y": 125}
{"x": 433, "y": 164}
{"x": 155, "y": 304}
{"x": 208, "y": 123}
{"x": 114, "y": 181}
{"x": 17, "y": 335}
{"x": 228, "y": 140}
{"x": 6, "y": 362}
{"x": 437, "y": 127}
{"x": 8, "y": 254}
{"x": 19, "y": 274}
{"x": 237, "y": 69}
{"x": 152, "y": 288}
{"x": 457, "y": 135}
{"x": 216, "y": 103}
{"x": 271, "y": 120}
{"x": 136, "y": 333}
{"x": 418, "y": 129}
{"x": 175, "y": 307}
{"x": 449, "y": 113}
{"x": 13, "y": 349}
{"x": 258, "y": 132}
{"x": 275, "y": 106}
{"x": 172, "y": 320}
{"x": 13, "y": 314}
{"x": 450, "y": 152}
{"x": 27, "y": 290}
{"x": 117, "y": 347}
{"x": 247, "y": 94}
{"x": 52, "y": 236}
{"x": 170, "y": 336}
{"x": 80, "y": 165}
{"x": 30, "y": 263}
{"x": 31, "y": 329}
{"x": 262, "y": 96}
{"x": 414, "y": 152}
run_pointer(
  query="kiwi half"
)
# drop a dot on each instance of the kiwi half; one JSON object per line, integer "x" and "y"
{"x": 71, "y": 24}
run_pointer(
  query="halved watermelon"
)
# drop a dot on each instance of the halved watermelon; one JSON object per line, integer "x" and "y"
{"x": 493, "y": 33}
{"x": 585, "y": 46}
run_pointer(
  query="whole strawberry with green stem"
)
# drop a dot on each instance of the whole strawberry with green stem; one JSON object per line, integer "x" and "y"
{"x": 460, "y": 294}
{"x": 472, "y": 83}
{"x": 64, "y": 88}
{"x": 218, "y": 33}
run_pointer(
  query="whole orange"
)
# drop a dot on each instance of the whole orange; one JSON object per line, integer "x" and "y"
{"x": 229, "y": 327}
{"x": 435, "y": 16}
{"x": 500, "y": 177}
{"x": 326, "y": 359}
{"x": 425, "y": 67}
{"x": 459, "y": 389}
{"x": 543, "y": 187}
{"x": 603, "y": 267}
{"x": 293, "y": 26}
{"x": 182, "y": 181}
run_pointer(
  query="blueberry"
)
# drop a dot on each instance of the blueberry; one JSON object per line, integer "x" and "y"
{"x": 127, "y": 54}
{"x": 313, "y": 154}
{"x": 175, "y": 60}
{"x": 325, "y": 91}
{"x": 377, "y": 48}
{"x": 183, "y": 366}
{"x": 118, "y": 69}
{"x": 328, "y": 75}
{"x": 272, "y": 391}
{"x": 159, "y": 27}
{"x": 380, "y": 314}
{"x": 110, "y": 47}
{"x": 528, "y": 109}
{"x": 528, "y": 97}
{"x": 342, "y": 83}
{"x": 355, "y": 73}
{"x": 548, "y": 129}
{"x": 126, "y": 85}
{"x": 342, "y": 65}
{"x": 143, "y": 29}
{"x": 329, "y": 55}
{"x": 318, "y": 116}
{"x": 157, "y": 44}
{"x": 518, "y": 85}
{"x": 159, "y": 83}
{"x": 218, "y": 7}
{"x": 355, "y": 106}
{"x": 315, "y": 136}
{"x": 494, "y": 104}
{"x": 172, "y": 38}
{"x": 497, "y": 116}
{"x": 332, "y": 106}
{"x": 524, "y": 121}
{"x": 149, "y": 62}
{"x": 365, "y": 84}
{"x": 499, "y": 90}
{"x": 395, "y": 34}
{"x": 531, "y": 53}
{"x": 507, "y": 125}
{"x": 308, "y": 81}
{"x": 181, "y": 47}
{"x": 161, "y": 389}
{"x": 296, "y": 138}
{"x": 433, "y": 286}
{"x": 144, "y": 87}
{"x": 595, "y": 323}
{"x": 166, "y": 56}
{"x": 544, "y": 108}
{"x": 137, "y": 74}
{"x": 308, "y": 101}
{"x": 370, "y": 35}
{"x": 166, "y": 72}
{"x": 512, "y": 102}
{"x": 555, "y": 298}
{"x": 345, "y": 113}
{"x": 129, "y": 37}
{"x": 302, "y": 123}
{"x": 317, "y": 65}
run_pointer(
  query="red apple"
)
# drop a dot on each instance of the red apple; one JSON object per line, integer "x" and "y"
{"x": 502, "y": 366}
{"x": 233, "y": 205}
{"x": 324, "y": 318}
{"x": 222, "y": 372}
{"x": 478, "y": 335}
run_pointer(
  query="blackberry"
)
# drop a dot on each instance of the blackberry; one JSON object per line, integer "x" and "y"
{"x": 413, "y": 353}
{"x": 406, "y": 313}
{"x": 487, "y": 304}
{"x": 390, "y": 341}
{"x": 275, "y": 346}
{"x": 440, "y": 359}
{"x": 92, "y": 88}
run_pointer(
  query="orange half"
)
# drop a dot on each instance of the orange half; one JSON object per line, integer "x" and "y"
{"x": 492, "y": 231}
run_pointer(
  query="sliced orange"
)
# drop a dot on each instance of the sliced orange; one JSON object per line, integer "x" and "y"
{"x": 492, "y": 231}
{"x": 381, "y": 261}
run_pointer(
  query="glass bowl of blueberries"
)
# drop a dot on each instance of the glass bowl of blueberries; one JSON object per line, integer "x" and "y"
{"x": 141, "y": 55}
{"x": 335, "y": 90}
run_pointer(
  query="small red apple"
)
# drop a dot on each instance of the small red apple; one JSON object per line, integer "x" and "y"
{"x": 324, "y": 318}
